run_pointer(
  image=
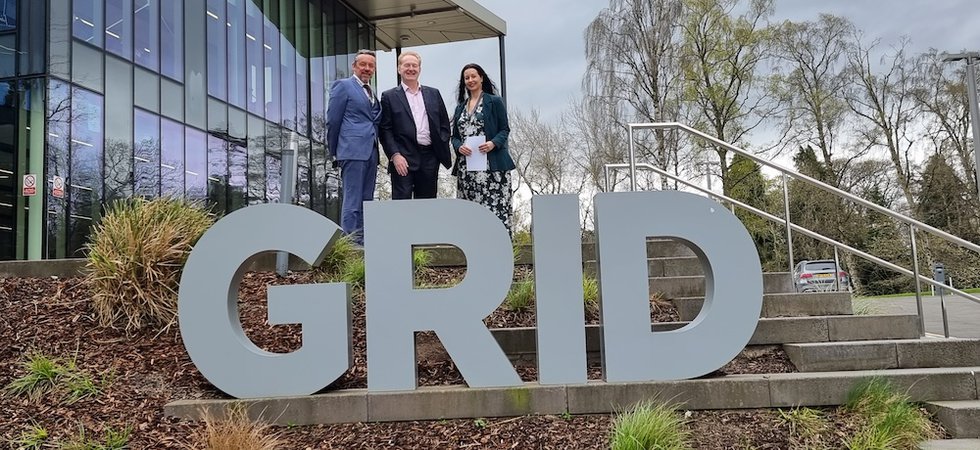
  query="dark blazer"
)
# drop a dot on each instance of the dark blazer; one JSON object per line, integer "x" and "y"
{"x": 397, "y": 129}
{"x": 497, "y": 129}
{"x": 352, "y": 121}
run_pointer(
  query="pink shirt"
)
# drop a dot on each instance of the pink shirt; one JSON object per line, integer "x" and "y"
{"x": 417, "y": 104}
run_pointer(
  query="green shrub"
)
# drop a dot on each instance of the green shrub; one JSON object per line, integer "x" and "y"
{"x": 889, "y": 419}
{"x": 352, "y": 272}
{"x": 590, "y": 291}
{"x": 803, "y": 422}
{"x": 32, "y": 439}
{"x": 521, "y": 295}
{"x": 649, "y": 426}
{"x": 43, "y": 375}
{"x": 135, "y": 258}
{"x": 343, "y": 249}
{"x": 112, "y": 439}
{"x": 421, "y": 259}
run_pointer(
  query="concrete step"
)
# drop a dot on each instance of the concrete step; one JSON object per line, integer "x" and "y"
{"x": 782, "y": 305}
{"x": 960, "y": 418}
{"x": 678, "y": 266}
{"x": 448, "y": 402}
{"x": 885, "y": 354}
{"x": 520, "y": 343}
{"x": 693, "y": 286}
{"x": 950, "y": 444}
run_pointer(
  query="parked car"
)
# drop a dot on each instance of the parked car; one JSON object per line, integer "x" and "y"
{"x": 821, "y": 275}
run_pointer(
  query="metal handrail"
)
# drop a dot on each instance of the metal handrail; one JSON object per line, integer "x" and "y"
{"x": 786, "y": 171}
{"x": 795, "y": 227}
{"x": 790, "y": 227}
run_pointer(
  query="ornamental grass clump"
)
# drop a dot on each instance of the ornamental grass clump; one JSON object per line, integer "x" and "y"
{"x": 135, "y": 258}
{"x": 650, "y": 426}
{"x": 889, "y": 419}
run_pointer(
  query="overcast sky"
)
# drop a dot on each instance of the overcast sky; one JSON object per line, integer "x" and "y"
{"x": 546, "y": 57}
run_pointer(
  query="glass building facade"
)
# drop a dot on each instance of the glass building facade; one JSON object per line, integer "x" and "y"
{"x": 183, "y": 98}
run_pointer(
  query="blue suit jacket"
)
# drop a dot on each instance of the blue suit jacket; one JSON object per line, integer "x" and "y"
{"x": 352, "y": 121}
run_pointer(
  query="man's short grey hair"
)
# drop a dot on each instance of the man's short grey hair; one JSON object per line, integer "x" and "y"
{"x": 364, "y": 51}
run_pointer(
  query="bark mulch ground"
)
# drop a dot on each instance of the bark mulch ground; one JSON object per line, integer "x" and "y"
{"x": 140, "y": 372}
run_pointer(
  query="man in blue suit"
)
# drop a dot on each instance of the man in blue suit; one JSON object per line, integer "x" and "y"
{"x": 352, "y": 136}
{"x": 414, "y": 132}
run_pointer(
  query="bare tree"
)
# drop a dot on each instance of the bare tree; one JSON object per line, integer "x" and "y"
{"x": 545, "y": 154}
{"x": 884, "y": 104}
{"x": 813, "y": 55}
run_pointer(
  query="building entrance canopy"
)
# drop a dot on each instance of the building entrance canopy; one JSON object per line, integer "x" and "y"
{"x": 408, "y": 23}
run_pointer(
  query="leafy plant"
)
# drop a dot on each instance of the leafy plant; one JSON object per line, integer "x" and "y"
{"x": 480, "y": 423}
{"x": 112, "y": 439}
{"x": 80, "y": 385}
{"x": 343, "y": 250}
{"x": 590, "y": 290}
{"x": 890, "y": 419}
{"x": 236, "y": 432}
{"x": 43, "y": 373}
{"x": 803, "y": 422}
{"x": 521, "y": 295}
{"x": 352, "y": 272}
{"x": 32, "y": 439}
{"x": 649, "y": 426}
{"x": 136, "y": 256}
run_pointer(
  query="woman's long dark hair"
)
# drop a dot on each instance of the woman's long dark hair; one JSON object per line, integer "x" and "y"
{"x": 488, "y": 85}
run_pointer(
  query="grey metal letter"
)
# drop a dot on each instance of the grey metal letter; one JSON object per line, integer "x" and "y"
{"x": 395, "y": 310}
{"x": 559, "y": 295}
{"x": 733, "y": 285}
{"x": 208, "y": 305}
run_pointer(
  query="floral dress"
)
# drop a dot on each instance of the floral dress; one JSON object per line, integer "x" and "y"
{"x": 489, "y": 188}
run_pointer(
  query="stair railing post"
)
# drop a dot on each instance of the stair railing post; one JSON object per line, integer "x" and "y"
{"x": 837, "y": 268}
{"x": 632, "y": 161}
{"x": 918, "y": 288}
{"x": 789, "y": 223}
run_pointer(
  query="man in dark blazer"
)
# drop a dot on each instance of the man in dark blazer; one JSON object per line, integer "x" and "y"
{"x": 353, "y": 113}
{"x": 414, "y": 132}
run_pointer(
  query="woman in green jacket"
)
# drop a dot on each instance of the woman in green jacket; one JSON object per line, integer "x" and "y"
{"x": 481, "y": 113}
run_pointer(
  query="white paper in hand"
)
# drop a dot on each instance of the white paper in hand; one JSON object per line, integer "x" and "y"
{"x": 476, "y": 161}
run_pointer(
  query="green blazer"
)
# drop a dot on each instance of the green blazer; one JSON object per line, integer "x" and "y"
{"x": 496, "y": 127}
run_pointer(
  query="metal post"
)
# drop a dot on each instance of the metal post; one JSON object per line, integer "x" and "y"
{"x": 971, "y": 84}
{"x": 605, "y": 174}
{"x": 789, "y": 229}
{"x": 398, "y": 76}
{"x": 836, "y": 268}
{"x": 287, "y": 188}
{"x": 632, "y": 161}
{"x": 942, "y": 305}
{"x": 918, "y": 289}
{"x": 503, "y": 70}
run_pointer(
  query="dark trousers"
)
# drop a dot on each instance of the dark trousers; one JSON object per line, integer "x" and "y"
{"x": 358, "y": 179}
{"x": 421, "y": 181}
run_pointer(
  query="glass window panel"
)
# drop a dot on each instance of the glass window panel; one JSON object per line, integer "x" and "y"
{"x": 86, "y": 66}
{"x": 33, "y": 38}
{"x": 8, "y": 59}
{"x": 87, "y": 22}
{"x": 171, "y": 158}
{"x": 255, "y": 71}
{"x": 59, "y": 42}
{"x": 318, "y": 179}
{"x": 85, "y": 181}
{"x": 195, "y": 174}
{"x": 236, "y": 124}
{"x": 270, "y": 36}
{"x": 119, "y": 136}
{"x": 8, "y": 15}
{"x": 172, "y": 39}
{"x": 119, "y": 27}
{"x": 146, "y": 154}
{"x": 56, "y": 161}
{"x": 217, "y": 118}
{"x": 237, "y": 169}
{"x": 218, "y": 175}
{"x": 146, "y": 33}
{"x": 317, "y": 84}
{"x": 171, "y": 99}
{"x": 301, "y": 37}
{"x": 303, "y": 172}
{"x": 217, "y": 49}
{"x": 236, "y": 52}
{"x": 259, "y": 141}
{"x": 195, "y": 62}
{"x": 10, "y": 200}
{"x": 287, "y": 56}
{"x": 147, "y": 90}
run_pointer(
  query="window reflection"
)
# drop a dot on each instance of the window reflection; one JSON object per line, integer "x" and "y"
{"x": 146, "y": 154}
{"x": 172, "y": 39}
{"x": 196, "y": 172}
{"x": 171, "y": 159}
{"x": 237, "y": 181}
{"x": 287, "y": 56}
{"x": 8, "y": 15}
{"x": 236, "y": 53}
{"x": 255, "y": 71}
{"x": 217, "y": 50}
{"x": 85, "y": 181}
{"x": 118, "y": 27}
{"x": 146, "y": 32}
{"x": 87, "y": 21}
{"x": 9, "y": 197}
{"x": 260, "y": 138}
{"x": 272, "y": 76}
{"x": 58, "y": 128}
{"x": 218, "y": 175}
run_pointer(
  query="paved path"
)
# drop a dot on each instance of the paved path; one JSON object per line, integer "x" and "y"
{"x": 963, "y": 314}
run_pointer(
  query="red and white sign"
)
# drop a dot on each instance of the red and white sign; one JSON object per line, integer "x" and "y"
{"x": 58, "y": 187}
{"x": 30, "y": 185}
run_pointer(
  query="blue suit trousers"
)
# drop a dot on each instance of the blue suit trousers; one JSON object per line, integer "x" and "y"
{"x": 358, "y": 179}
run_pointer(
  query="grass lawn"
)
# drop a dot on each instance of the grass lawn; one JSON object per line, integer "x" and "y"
{"x": 925, "y": 291}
